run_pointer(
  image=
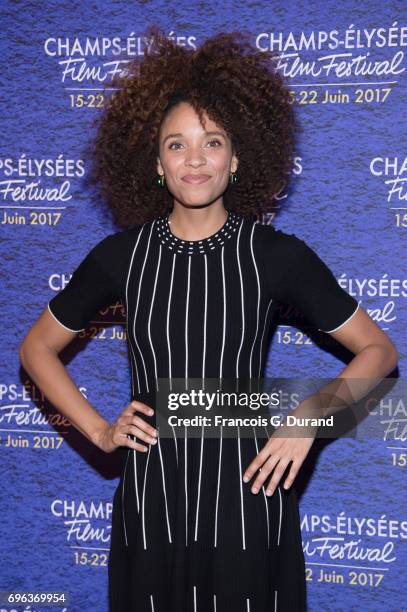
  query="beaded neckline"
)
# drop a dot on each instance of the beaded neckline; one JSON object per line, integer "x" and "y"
{"x": 192, "y": 247}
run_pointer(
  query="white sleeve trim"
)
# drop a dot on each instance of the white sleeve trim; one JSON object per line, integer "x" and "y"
{"x": 329, "y": 331}
{"x": 58, "y": 321}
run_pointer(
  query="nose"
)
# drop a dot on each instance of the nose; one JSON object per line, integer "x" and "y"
{"x": 195, "y": 157}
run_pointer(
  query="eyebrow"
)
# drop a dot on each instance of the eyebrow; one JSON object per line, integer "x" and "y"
{"x": 212, "y": 133}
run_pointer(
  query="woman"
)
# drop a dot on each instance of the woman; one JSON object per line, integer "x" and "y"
{"x": 201, "y": 280}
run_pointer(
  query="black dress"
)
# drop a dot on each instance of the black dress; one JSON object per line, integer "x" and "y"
{"x": 188, "y": 535}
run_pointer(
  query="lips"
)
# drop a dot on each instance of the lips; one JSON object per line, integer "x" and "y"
{"x": 195, "y": 178}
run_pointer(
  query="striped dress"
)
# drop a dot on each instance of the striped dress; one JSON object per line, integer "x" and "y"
{"x": 188, "y": 535}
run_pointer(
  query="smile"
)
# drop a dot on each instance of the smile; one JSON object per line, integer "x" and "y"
{"x": 196, "y": 178}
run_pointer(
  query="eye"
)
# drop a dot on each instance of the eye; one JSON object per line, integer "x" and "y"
{"x": 210, "y": 141}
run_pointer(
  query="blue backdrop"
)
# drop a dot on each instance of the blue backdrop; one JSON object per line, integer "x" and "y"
{"x": 347, "y": 199}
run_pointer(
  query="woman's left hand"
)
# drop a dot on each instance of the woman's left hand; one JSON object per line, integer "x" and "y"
{"x": 276, "y": 454}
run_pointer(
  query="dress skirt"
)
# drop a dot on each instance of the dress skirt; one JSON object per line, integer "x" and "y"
{"x": 188, "y": 535}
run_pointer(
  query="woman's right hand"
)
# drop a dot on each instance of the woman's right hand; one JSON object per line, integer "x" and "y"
{"x": 115, "y": 434}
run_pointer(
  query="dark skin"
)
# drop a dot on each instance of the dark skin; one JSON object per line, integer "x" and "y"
{"x": 375, "y": 357}
{"x": 198, "y": 212}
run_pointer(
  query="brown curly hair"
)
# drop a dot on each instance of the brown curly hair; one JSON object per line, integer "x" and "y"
{"x": 226, "y": 77}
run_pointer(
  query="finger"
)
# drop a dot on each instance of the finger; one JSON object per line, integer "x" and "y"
{"x": 140, "y": 433}
{"x": 278, "y": 472}
{"x": 258, "y": 461}
{"x": 264, "y": 473}
{"x": 123, "y": 439}
{"x": 292, "y": 475}
{"x": 143, "y": 425}
{"x": 139, "y": 407}
{"x": 135, "y": 445}
{"x": 129, "y": 419}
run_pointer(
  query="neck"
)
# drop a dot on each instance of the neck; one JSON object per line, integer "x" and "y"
{"x": 197, "y": 223}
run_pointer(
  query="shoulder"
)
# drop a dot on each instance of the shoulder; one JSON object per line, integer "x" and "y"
{"x": 113, "y": 253}
{"x": 278, "y": 244}
{"x": 116, "y": 244}
{"x": 289, "y": 262}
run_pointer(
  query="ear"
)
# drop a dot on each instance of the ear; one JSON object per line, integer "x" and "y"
{"x": 234, "y": 163}
{"x": 160, "y": 169}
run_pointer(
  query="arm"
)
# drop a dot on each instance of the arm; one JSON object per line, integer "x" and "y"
{"x": 311, "y": 286}
{"x": 375, "y": 357}
{"x": 39, "y": 356}
{"x": 69, "y": 311}
{"x": 375, "y": 354}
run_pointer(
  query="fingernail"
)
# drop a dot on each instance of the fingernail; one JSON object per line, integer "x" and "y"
{"x": 245, "y": 479}
{"x": 268, "y": 492}
{"x": 254, "y": 490}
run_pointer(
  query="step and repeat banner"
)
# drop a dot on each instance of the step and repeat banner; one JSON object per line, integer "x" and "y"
{"x": 346, "y": 68}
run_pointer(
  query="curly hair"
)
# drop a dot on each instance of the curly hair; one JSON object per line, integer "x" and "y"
{"x": 225, "y": 77}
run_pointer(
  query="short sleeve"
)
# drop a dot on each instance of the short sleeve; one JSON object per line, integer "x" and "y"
{"x": 90, "y": 288}
{"x": 311, "y": 286}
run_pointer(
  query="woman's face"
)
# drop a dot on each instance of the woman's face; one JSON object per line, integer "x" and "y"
{"x": 186, "y": 150}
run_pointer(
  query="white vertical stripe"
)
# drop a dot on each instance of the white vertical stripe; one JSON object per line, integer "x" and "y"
{"x": 135, "y": 475}
{"x": 152, "y": 603}
{"x": 275, "y": 601}
{"x": 224, "y": 315}
{"x": 281, "y": 514}
{"x": 262, "y": 336}
{"x": 199, "y": 485}
{"x": 127, "y": 307}
{"x": 169, "y": 345}
{"x": 136, "y": 309}
{"x": 175, "y": 443}
{"x": 214, "y": 603}
{"x": 264, "y": 495}
{"x": 133, "y": 370}
{"x": 144, "y": 495}
{"x": 195, "y": 608}
{"x": 186, "y": 323}
{"x": 124, "y": 478}
{"x": 241, "y": 489}
{"x": 205, "y": 315}
{"x": 247, "y": 605}
{"x": 258, "y": 300}
{"x": 168, "y": 322}
{"x": 242, "y": 301}
{"x": 281, "y": 502}
{"x": 149, "y": 316}
{"x": 165, "y": 491}
{"x": 186, "y": 487}
{"x": 218, "y": 487}
{"x": 134, "y": 362}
